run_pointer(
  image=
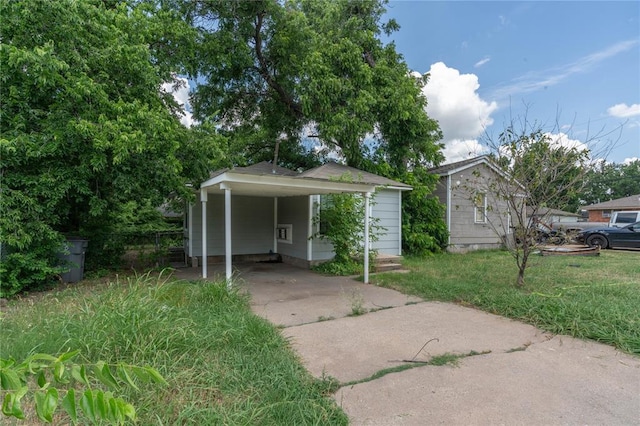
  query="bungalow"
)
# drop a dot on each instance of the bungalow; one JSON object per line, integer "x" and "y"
{"x": 476, "y": 217}
{"x": 601, "y": 212}
{"x": 265, "y": 208}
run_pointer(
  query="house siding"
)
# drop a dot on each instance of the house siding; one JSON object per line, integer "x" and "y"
{"x": 294, "y": 211}
{"x": 251, "y": 225}
{"x": 253, "y": 220}
{"x": 386, "y": 208}
{"x": 465, "y": 232}
{"x": 322, "y": 249}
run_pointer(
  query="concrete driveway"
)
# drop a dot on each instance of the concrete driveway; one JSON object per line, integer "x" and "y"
{"x": 507, "y": 372}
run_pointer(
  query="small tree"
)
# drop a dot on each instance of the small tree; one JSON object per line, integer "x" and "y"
{"x": 340, "y": 220}
{"x": 539, "y": 170}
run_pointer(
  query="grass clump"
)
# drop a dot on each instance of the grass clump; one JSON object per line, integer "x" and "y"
{"x": 589, "y": 297}
{"x": 223, "y": 364}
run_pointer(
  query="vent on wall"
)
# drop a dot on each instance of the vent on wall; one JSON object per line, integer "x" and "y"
{"x": 284, "y": 233}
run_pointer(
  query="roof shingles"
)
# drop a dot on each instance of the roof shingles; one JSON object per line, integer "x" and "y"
{"x": 632, "y": 202}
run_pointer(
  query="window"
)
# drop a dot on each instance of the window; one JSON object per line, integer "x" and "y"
{"x": 480, "y": 208}
{"x": 284, "y": 233}
{"x": 323, "y": 222}
{"x": 626, "y": 217}
{"x": 606, "y": 213}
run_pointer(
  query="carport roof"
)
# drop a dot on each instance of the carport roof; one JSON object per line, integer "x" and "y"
{"x": 265, "y": 180}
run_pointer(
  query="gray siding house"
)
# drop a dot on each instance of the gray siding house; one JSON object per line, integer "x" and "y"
{"x": 475, "y": 216}
{"x": 264, "y": 209}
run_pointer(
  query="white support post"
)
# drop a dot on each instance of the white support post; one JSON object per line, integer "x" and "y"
{"x": 227, "y": 234}
{"x": 275, "y": 224}
{"x": 313, "y": 199}
{"x": 367, "y": 196}
{"x": 448, "y": 218}
{"x": 203, "y": 198}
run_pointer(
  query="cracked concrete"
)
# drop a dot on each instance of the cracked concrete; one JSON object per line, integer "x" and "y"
{"x": 356, "y": 347}
{"x": 561, "y": 381}
{"x": 528, "y": 377}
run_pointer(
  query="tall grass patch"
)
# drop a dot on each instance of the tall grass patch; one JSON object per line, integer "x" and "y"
{"x": 586, "y": 297}
{"x": 223, "y": 364}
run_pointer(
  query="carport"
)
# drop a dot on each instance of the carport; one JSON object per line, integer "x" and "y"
{"x": 266, "y": 180}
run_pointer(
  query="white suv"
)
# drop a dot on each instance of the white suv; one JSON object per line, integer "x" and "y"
{"x": 620, "y": 219}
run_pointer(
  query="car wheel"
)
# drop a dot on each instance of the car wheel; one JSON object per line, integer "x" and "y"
{"x": 598, "y": 240}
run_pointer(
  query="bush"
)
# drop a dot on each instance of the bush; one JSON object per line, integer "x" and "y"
{"x": 35, "y": 265}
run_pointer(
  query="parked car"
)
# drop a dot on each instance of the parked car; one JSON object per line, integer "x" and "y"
{"x": 605, "y": 237}
{"x": 620, "y": 219}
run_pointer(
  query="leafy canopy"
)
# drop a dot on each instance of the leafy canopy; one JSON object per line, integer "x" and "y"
{"x": 85, "y": 126}
{"x": 300, "y": 70}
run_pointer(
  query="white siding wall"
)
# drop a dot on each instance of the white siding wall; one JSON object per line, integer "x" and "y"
{"x": 294, "y": 211}
{"x": 321, "y": 248}
{"x": 251, "y": 225}
{"x": 386, "y": 208}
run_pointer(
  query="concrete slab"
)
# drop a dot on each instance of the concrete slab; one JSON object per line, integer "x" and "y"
{"x": 548, "y": 380}
{"x": 355, "y": 348}
{"x": 561, "y": 381}
{"x": 289, "y": 296}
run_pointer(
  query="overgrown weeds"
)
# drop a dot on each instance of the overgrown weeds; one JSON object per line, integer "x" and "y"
{"x": 223, "y": 364}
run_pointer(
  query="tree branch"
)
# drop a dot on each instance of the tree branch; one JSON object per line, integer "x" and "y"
{"x": 263, "y": 70}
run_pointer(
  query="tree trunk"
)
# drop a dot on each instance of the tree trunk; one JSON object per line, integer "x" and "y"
{"x": 521, "y": 276}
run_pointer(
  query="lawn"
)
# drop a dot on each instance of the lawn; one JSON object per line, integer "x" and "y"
{"x": 586, "y": 297}
{"x": 223, "y": 364}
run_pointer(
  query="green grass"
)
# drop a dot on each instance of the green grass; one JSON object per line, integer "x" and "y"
{"x": 223, "y": 364}
{"x": 586, "y": 297}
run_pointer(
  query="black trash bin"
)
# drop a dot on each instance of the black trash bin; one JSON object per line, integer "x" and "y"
{"x": 76, "y": 247}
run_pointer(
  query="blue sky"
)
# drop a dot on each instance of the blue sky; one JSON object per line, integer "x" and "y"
{"x": 574, "y": 64}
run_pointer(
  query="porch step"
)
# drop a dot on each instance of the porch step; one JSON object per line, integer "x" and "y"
{"x": 386, "y": 267}
{"x": 386, "y": 263}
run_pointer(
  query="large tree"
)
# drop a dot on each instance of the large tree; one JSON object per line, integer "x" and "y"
{"x": 305, "y": 70}
{"x": 299, "y": 80}
{"x": 85, "y": 126}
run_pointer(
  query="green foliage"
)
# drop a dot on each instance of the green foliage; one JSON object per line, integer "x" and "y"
{"x": 333, "y": 267}
{"x": 33, "y": 260}
{"x": 43, "y": 379}
{"x": 423, "y": 227}
{"x": 85, "y": 127}
{"x": 273, "y": 71}
{"x": 340, "y": 219}
{"x": 608, "y": 181}
{"x": 223, "y": 364}
{"x": 551, "y": 174}
{"x": 538, "y": 173}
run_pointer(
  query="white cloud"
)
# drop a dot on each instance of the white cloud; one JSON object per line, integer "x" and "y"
{"x": 624, "y": 110}
{"x": 458, "y": 150}
{"x": 481, "y": 62}
{"x": 462, "y": 114}
{"x": 563, "y": 140}
{"x": 630, "y": 160}
{"x": 179, "y": 88}
{"x": 536, "y": 80}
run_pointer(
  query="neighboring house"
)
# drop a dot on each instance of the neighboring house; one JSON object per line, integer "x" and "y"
{"x": 553, "y": 216}
{"x": 475, "y": 216}
{"x": 601, "y": 212}
{"x": 264, "y": 209}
